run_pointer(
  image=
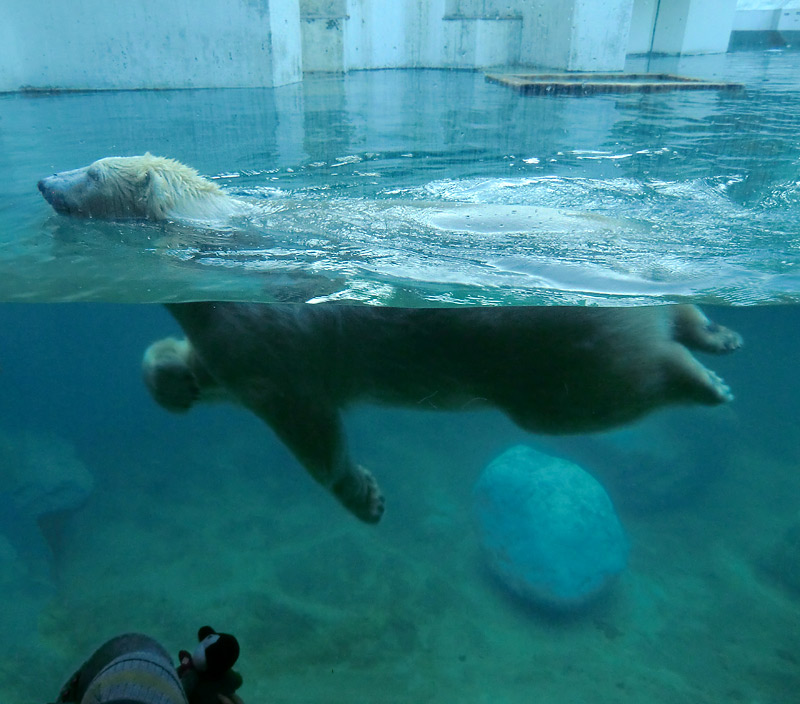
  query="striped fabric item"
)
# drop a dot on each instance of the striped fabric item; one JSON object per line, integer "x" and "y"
{"x": 129, "y": 669}
{"x": 136, "y": 677}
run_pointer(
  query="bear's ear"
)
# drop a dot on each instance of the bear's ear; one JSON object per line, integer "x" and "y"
{"x": 156, "y": 193}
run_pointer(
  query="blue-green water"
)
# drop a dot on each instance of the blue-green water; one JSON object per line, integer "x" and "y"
{"x": 705, "y": 182}
{"x": 205, "y": 518}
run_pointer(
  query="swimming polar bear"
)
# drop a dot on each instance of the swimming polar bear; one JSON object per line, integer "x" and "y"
{"x": 550, "y": 369}
{"x": 157, "y": 188}
{"x": 147, "y": 187}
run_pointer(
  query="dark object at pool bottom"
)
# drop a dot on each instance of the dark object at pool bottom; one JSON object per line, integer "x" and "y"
{"x": 590, "y": 83}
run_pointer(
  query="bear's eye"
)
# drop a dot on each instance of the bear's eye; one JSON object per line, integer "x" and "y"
{"x": 93, "y": 174}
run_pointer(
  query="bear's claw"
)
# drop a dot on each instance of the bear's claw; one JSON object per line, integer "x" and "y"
{"x": 722, "y": 390}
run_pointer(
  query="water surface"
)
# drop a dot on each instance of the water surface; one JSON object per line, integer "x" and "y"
{"x": 704, "y": 185}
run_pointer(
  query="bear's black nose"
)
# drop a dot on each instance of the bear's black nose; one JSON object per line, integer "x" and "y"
{"x": 53, "y": 196}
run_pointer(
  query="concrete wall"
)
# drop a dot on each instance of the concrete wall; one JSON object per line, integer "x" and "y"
{"x": 108, "y": 44}
{"x": 340, "y": 35}
{"x": 600, "y": 33}
{"x": 708, "y": 27}
{"x": 479, "y": 41}
{"x": 693, "y": 26}
{"x": 765, "y": 24}
{"x": 572, "y": 35}
{"x": 754, "y": 16}
{"x": 393, "y": 34}
{"x": 322, "y": 25}
{"x": 343, "y": 35}
{"x": 642, "y": 22}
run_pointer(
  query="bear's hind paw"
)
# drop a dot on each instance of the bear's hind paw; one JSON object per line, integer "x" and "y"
{"x": 721, "y": 339}
{"x": 360, "y": 494}
{"x": 720, "y": 389}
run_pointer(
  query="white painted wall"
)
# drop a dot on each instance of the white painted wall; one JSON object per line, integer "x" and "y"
{"x": 379, "y": 35}
{"x": 471, "y": 42}
{"x": 322, "y": 27}
{"x": 111, "y": 44}
{"x": 342, "y": 35}
{"x": 789, "y": 20}
{"x": 101, "y": 44}
{"x": 642, "y": 20}
{"x": 600, "y": 32}
{"x": 547, "y": 33}
{"x": 564, "y": 34}
{"x": 708, "y": 27}
{"x": 694, "y": 26}
{"x": 394, "y": 34}
{"x": 766, "y": 15}
{"x": 576, "y": 35}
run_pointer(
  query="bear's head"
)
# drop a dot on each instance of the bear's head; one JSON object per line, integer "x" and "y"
{"x": 146, "y": 186}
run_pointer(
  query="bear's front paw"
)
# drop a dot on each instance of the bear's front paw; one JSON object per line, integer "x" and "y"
{"x": 173, "y": 385}
{"x": 169, "y": 376}
{"x": 360, "y": 494}
{"x": 177, "y": 389}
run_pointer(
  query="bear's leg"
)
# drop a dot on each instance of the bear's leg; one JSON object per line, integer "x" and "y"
{"x": 688, "y": 380}
{"x": 168, "y": 375}
{"x": 693, "y": 329}
{"x": 313, "y": 432}
{"x": 175, "y": 376}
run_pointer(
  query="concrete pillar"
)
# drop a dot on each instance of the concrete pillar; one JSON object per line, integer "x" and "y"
{"x": 576, "y": 35}
{"x": 481, "y": 33}
{"x": 322, "y": 23}
{"x": 97, "y": 45}
{"x": 394, "y": 34}
{"x": 642, "y": 23}
{"x": 693, "y": 26}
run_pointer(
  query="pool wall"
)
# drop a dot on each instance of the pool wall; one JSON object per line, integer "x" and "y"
{"x": 94, "y": 45}
{"x": 151, "y": 44}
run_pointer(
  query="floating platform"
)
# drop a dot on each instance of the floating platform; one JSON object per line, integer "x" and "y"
{"x": 591, "y": 83}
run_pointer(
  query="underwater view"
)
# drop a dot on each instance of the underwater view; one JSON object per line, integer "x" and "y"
{"x": 430, "y": 192}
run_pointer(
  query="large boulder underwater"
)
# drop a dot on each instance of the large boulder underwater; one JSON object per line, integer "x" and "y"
{"x": 549, "y": 529}
{"x": 40, "y": 477}
{"x": 782, "y": 562}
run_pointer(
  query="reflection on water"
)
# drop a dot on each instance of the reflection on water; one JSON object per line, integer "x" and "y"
{"x": 705, "y": 184}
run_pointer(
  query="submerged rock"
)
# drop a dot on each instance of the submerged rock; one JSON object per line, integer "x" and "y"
{"x": 548, "y": 527}
{"x": 25, "y": 582}
{"x": 40, "y": 478}
{"x": 43, "y": 474}
{"x": 783, "y": 562}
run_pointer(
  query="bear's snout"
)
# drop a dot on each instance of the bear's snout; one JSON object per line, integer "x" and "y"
{"x": 53, "y": 195}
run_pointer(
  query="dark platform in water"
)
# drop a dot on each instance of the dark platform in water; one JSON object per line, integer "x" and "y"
{"x": 589, "y": 83}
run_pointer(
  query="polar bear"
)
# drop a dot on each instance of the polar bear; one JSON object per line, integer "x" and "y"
{"x": 158, "y": 188}
{"x": 550, "y": 369}
{"x": 147, "y": 187}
